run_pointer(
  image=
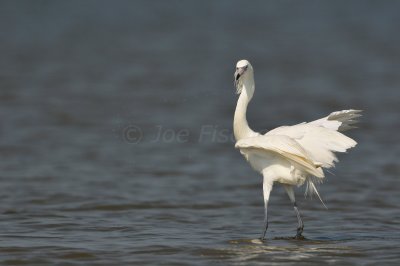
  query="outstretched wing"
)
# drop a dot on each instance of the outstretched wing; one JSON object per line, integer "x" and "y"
{"x": 339, "y": 121}
{"x": 285, "y": 146}
{"x": 320, "y": 138}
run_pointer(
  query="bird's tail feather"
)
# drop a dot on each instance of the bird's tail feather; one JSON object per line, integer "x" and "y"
{"x": 311, "y": 189}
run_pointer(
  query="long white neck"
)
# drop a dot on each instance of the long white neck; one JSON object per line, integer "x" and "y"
{"x": 241, "y": 128}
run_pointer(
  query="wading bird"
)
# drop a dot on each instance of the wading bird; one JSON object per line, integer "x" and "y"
{"x": 289, "y": 155}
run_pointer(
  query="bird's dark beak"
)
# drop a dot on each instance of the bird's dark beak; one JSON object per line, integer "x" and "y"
{"x": 237, "y": 76}
{"x": 238, "y": 73}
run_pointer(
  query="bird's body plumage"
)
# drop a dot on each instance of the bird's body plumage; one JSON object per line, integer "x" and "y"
{"x": 289, "y": 155}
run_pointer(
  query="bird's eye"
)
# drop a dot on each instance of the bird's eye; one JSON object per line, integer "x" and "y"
{"x": 245, "y": 68}
{"x": 237, "y": 68}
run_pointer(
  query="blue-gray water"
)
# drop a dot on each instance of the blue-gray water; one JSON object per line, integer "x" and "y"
{"x": 86, "y": 87}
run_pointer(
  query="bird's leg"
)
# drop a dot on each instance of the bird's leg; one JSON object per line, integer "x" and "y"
{"x": 300, "y": 221}
{"x": 300, "y": 227}
{"x": 263, "y": 236}
{"x": 267, "y": 187}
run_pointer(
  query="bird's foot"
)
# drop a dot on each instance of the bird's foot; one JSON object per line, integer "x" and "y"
{"x": 263, "y": 239}
{"x": 299, "y": 237}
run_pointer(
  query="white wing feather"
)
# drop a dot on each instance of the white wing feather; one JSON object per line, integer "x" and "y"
{"x": 286, "y": 146}
{"x": 320, "y": 138}
{"x": 339, "y": 121}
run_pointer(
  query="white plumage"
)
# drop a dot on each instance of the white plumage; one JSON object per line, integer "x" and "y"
{"x": 289, "y": 155}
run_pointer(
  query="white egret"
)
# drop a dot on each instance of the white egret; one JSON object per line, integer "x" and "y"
{"x": 289, "y": 155}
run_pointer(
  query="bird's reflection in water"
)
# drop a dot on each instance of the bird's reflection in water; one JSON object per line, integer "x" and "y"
{"x": 286, "y": 249}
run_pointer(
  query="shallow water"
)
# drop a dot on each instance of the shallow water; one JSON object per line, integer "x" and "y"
{"x": 115, "y": 131}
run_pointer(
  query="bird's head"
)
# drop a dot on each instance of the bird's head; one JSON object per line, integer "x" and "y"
{"x": 243, "y": 74}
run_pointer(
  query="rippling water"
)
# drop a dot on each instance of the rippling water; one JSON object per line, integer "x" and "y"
{"x": 115, "y": 131}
